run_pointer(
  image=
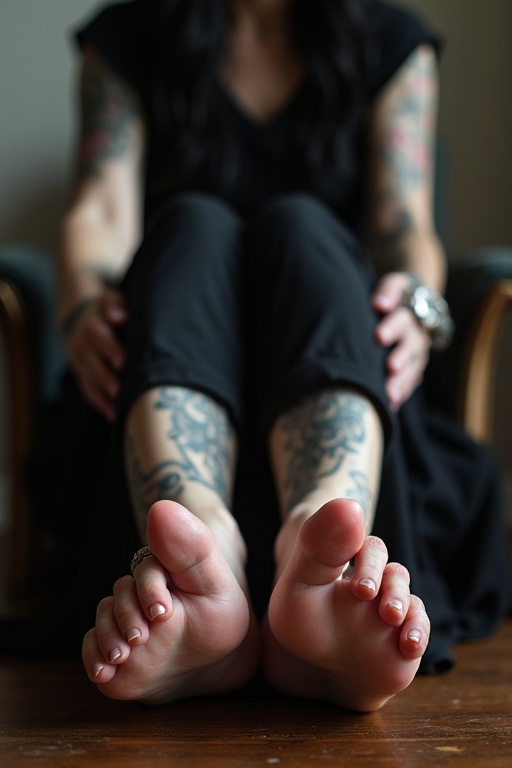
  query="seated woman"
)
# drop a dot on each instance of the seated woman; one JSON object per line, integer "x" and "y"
{"x": 239, "y": 283}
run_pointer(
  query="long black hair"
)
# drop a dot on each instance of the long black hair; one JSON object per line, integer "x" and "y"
{"x": 186, "y": 103}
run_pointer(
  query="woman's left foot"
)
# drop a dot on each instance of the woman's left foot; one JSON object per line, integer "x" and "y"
{"x": 355, "y": 641}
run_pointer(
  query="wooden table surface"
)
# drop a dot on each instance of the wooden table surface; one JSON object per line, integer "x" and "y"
{"x": 50, "y": 715}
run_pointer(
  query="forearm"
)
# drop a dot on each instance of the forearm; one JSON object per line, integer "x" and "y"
{"x": 103, "y": 226}
{"x": 401, "y": 232}
{"x": 412, "y": 250}
{"x": 92, "y": 256}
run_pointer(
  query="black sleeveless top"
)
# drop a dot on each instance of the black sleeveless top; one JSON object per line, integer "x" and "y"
{"x": 268, "y": 163}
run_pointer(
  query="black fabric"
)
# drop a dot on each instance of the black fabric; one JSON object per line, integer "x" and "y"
{"x": 268, "y": 164}
{"x": 260, "y": 301}
{"x": 124, "y": 34}
{"x": 440, "y": 509}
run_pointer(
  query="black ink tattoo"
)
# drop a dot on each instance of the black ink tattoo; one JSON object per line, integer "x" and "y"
{"x": 200, "y": 444}
{"x": 403, "y": 162}
{"x": 406, "y": 149}
{"x": 361, "y": 491}
{"x": 161, "y": 482}
{"x": 393, "y": 255}
{"x": 108, "y": 111}
{"x": 320, "y": 432}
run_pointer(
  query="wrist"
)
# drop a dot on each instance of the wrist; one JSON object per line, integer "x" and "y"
{"x": 68, "y": 319}
{"x": 431, "y": 310}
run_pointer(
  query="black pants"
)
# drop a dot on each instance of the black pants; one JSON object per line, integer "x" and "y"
{"x": 255, "y": 312}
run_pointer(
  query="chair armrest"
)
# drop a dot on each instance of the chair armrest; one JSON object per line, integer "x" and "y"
{"x": 480, "y": 292}
{"x": 476, "y": 395}
{"x": 29, "y": 271}
{"x": 34, "y": 359}
{"x": 19, "y": 415}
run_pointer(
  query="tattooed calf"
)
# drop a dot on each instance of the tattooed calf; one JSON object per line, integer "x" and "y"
{"x": 319, "y": 434}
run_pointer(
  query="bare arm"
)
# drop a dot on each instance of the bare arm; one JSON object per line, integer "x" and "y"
{"x": 103, "y": 224}
{"x": 401, "y": 232}
{"x": 100, "y": 232}
{"x": 402, "y": 135}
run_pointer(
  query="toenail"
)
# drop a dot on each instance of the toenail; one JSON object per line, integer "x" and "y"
{"x": 157, "y": 610}
{"x": 133, "y": 634}
{"x": 97, "y": 668}
{"x": 414, "y": 635}
{"x": 368, "y": 583}
{"x": 397, "y": 605}
{"x": 114, "y": 654}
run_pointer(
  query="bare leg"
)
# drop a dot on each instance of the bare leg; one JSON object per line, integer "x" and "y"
{"x": 329, "y": 446}
{"x": 355, "y": 641}
{"x": 184, "y": 625}
{"x": 180, "y": 445}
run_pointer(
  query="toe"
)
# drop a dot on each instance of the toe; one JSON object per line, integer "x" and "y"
{"x": 415, "y": 631}
{"x": 327, "y": 541}
{"x": 113, "y": 646}
{"x": 128, "y": 613}
{"x": 369, "y": 566}
{"x": 186, "y": 548}
{"x": 394, "y": 594}
{"x": 98, "y": 670}
{"x": 153, "y": 596}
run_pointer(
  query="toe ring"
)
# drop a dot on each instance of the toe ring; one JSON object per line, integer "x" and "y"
{"x": 139, "y": 556}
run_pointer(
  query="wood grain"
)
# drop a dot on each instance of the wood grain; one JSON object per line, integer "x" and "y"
{"x": 50, "y": 715}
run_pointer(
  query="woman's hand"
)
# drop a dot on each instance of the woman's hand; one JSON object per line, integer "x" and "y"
{"x": 400, "y": 330}
{"x": 94, "y": 351}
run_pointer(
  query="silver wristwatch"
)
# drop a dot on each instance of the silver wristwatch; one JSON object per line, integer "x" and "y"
{"x": 431, "y": 311}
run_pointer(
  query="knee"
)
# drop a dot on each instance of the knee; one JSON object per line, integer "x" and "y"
{"x": 300, "y": 227}
{"x": 193, "y": 228}
{"x": 191, "y": 209}
{"x": 296, "y": 212}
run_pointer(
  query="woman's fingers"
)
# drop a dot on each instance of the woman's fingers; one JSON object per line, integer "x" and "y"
{"x": 408, "y": 356}
{"x": 96, "y": 354}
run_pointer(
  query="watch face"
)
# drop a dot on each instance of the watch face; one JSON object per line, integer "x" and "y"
{"x": 423, "y": 307}
{"x": 432, "y": 312}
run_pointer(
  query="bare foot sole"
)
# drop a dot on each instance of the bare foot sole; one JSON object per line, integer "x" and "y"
{"x": 355, "y": 641}
{"x": 182, "y": 627}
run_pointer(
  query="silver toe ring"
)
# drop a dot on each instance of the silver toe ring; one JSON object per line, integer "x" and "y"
{"x": 139, "y": 556}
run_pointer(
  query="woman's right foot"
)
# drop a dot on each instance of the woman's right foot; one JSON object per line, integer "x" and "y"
{"x": 181, "y": 627}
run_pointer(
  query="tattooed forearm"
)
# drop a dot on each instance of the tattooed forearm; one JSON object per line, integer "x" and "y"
{"x": 319, "y": 434}
{"x": 391, "y": 244}
{"x": 108, "y": 111}
{"x": 406, "y": 146}
{"x": 401, "y": 149}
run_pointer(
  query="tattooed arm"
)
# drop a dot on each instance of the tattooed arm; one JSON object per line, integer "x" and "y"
{"x": 401, "y": 233}
{"x": 100, "y": 231}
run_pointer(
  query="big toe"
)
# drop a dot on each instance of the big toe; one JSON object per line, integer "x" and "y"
{"x": 327, "y": 542}
{"x": 186, "y": 548}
